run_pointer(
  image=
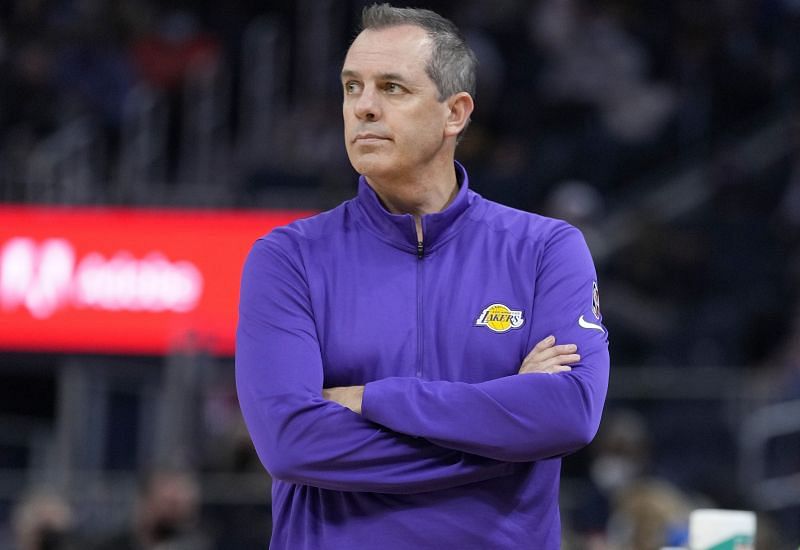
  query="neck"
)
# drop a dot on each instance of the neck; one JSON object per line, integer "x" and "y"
{"x": 417, "y": 194}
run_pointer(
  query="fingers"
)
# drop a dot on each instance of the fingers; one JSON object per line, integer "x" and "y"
{"x": 546, "y": 357}
{"x": 558, "y": 364}
{"x": 560, "y": 368}
{"x": 566, "y": 359}
{"x": 544, "y": 344}
{"x": 545, "y": 353}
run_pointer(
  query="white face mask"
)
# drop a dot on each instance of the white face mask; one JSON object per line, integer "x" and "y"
{"x": 612, "y": 472}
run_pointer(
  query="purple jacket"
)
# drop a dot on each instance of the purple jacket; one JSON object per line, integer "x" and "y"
{"x": 454, "y": 449}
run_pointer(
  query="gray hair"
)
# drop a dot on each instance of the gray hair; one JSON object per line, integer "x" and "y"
{"x": 452, "y": 64}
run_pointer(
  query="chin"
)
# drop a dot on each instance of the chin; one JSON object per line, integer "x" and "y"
{"x": 369, "y": 166}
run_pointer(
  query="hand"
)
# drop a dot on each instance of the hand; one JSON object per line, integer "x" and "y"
{"x": 347, "y": 396}
{"x": 546, "y": 357}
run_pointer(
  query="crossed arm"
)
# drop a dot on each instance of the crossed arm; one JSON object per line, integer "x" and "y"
{"x": 449, "y": 433}
{"x": 302, "y": 438}
{"x": 545, "y": 358}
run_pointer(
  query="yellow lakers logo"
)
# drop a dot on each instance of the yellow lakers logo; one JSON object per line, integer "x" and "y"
{"x": 499, "y": 318}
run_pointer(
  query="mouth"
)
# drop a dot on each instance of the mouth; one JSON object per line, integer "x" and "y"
{"x": 369, "y": 138}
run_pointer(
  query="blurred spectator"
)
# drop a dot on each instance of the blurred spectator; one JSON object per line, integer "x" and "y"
{"x": 166, "y": 516}
{"x": 29, "y": 107}
{"x": 228, "y": 447}
{"x": 97, "y": 78}
{"x": 42, "y": 520}
{"x": 622, "y": 451}
{"x": 30, "y": 97}
{"x": 620, "y": 457}
{"x": 175, "y": 51}
{"x": 593, "y": 60}
{"x": 648, "y": 515}
{"x": 582, "y": 205}
{"x": 178, "y": 45}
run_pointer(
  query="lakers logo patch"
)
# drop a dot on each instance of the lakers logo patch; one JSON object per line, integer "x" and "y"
{"x": 500, "y": 318}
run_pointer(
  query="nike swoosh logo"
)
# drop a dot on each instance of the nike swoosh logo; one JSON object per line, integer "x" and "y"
{"x": 586, "y": 324}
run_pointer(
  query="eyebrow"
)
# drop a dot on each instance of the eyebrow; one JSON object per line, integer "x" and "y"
{"x": 382, "y": 76}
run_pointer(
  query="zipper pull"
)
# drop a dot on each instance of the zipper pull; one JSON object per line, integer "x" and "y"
{"x": 420, "y": 250}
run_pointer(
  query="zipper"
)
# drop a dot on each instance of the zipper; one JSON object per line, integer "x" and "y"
{"x": 420, "y": 317}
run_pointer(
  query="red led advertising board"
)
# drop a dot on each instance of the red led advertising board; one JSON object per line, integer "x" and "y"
{"x": 124, "y": 280}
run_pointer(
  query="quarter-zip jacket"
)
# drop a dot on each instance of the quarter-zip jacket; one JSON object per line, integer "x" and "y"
{"x": 453, "y": 448}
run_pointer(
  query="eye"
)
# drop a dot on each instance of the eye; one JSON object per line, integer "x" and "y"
{"x": 351, "y": 87}
{"x": 393, "y": 88}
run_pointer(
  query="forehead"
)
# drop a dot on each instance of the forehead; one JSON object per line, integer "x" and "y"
{"x": 403, "y": 48}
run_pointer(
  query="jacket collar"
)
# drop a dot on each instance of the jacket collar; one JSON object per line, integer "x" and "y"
{"x": 399, "y": 229}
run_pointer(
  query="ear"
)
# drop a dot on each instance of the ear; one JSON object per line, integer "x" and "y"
{"x": 460, "y": 108}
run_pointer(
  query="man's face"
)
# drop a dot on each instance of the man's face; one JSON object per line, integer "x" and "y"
{"x": 394, "y": 124}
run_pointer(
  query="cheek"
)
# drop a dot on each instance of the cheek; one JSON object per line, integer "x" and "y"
{"x": 347, "y": 117}
{"x": 424, "y": 131}
{"x": 431, "y": 119}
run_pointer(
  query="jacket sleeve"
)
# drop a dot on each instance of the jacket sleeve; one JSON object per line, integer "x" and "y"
{"x": 301, "y": 437}
{"x": 517, "y": 418}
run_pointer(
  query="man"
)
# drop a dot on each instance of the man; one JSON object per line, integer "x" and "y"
{"x": 416, "y": 306}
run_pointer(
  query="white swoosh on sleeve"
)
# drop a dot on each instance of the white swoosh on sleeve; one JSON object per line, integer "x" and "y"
{"x": 586, "y": 324}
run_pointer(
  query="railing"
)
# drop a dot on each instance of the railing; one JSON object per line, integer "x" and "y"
{"x": 66, "y": 167}
{"x": 142, "y": 165}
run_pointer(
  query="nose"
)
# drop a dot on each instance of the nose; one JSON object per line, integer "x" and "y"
{"x": 367, "y": 106}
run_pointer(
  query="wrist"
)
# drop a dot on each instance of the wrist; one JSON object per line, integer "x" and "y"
{"x": 358, "y": 399}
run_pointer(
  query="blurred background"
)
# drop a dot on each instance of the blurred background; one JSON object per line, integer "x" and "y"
{"x": 669, "y": 132}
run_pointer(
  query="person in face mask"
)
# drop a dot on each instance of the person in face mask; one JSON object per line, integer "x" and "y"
{"x": 622, "y": 452}
{"x": 42, "y": 520}
{"x": 166, "y": 516}
{"x": 620, "y": 457}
